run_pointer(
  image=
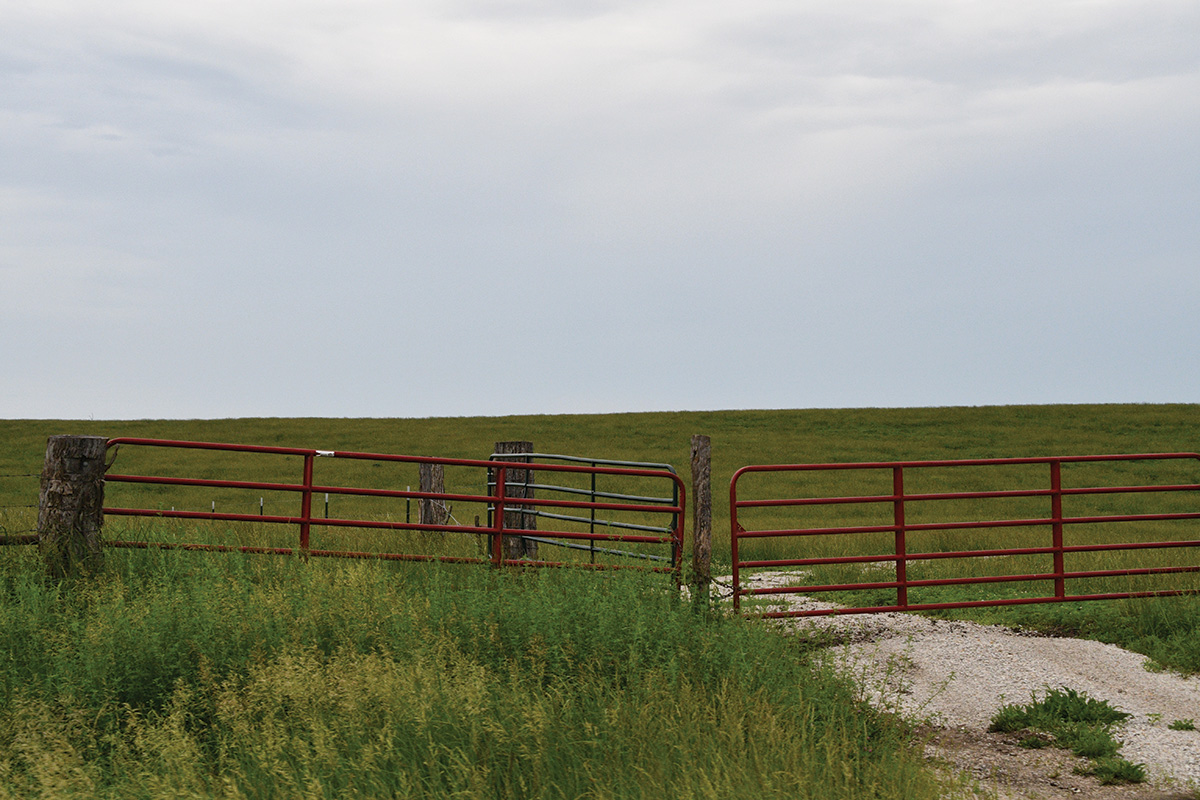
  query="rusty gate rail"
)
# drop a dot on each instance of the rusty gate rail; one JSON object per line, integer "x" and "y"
{"x": 494, "y": 498}
{"x": 900, "y": 500}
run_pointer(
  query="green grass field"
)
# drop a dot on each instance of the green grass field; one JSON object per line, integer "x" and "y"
{"x": 177, "y": 675}
{"x": 198, "y": 675}
{"x": 739, "y": 438}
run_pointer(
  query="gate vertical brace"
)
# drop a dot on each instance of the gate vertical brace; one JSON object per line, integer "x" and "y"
{"x": 734, "y": 529}
{"x": 1056, "y": 515}
{"x": 898, "y": 521}
{"x": 701, "y": 519}
{"x": 498, "y": 516}
{"x": 592, "y": 522}
{"x": 306, "y": 505}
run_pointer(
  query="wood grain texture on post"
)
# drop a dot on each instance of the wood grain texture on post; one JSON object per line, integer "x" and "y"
{"x": 432, "y": 480}
{"x": 701, "y": 517}
{"x": 518, "y": 483}
{"x": 71, "y": 503}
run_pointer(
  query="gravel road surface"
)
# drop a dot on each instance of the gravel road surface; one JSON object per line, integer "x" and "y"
{"x": 956, "y": 675}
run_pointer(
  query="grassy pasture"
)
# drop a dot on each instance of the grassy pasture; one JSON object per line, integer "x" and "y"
{"x": 177, "y": 675}
{"x": 739, "y": 438}
{"x": 187, "y": 675}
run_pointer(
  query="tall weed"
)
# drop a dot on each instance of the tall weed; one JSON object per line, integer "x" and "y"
{"x": 174, "y": 674}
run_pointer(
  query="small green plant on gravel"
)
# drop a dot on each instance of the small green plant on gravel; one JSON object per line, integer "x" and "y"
{"x": 1056, "y": 707}
{"x": 1183, "y": 725}
{"x": 1110, "y": 771}
{"x": 1077, "y": 723}
{"x": 1089, "y": 741}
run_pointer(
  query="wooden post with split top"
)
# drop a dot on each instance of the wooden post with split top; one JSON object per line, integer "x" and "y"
{"x": 71, "y": 505}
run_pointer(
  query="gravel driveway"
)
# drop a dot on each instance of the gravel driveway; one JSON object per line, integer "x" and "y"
{"x": 956, "y": 675}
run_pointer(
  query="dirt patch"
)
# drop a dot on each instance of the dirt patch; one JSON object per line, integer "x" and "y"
{"x": 1012, "y": 772}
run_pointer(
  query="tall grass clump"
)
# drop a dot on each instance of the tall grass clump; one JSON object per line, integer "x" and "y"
{"x": 185, "y": 675}
{"x": 1077, "y": 723}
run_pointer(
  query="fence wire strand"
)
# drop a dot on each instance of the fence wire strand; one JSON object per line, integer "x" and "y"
{"x": 20, "y": 475}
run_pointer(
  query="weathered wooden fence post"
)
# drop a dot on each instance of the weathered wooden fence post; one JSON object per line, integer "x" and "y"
{"x": 432, "y": 480}
{"x": 70, "y": 505}
{"x": 701, "y": 518}
{"x": 518, "y": 483}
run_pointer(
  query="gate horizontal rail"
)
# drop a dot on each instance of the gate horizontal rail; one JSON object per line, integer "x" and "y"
{"x": 592, "y": 521}
{"x": 899, "y": 557}
{"x": 495, "y": 499}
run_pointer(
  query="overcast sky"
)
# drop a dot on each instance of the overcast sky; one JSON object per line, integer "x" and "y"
{"x": 361, "y": 208}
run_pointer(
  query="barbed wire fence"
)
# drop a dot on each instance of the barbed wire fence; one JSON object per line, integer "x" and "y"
{"x": 4, "y": 530}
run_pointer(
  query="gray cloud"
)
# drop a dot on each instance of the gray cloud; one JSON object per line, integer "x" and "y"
{"x": 863, "y": 203}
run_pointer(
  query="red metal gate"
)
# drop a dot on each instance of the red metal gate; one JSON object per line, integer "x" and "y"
{"x": 489, "y": 475}
{"x": 900, "y": 528}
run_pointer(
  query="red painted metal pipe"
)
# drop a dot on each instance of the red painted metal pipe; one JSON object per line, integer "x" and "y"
{"x": 901, "y": 528}
{"x": 898, "y": 521}
{"x": 673, "y": 537}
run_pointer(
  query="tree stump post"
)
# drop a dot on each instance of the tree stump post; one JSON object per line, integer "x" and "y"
{"x": 70, "y": 505}
{"x": 518, "y": 483}
{"x": 701, "y": 518}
